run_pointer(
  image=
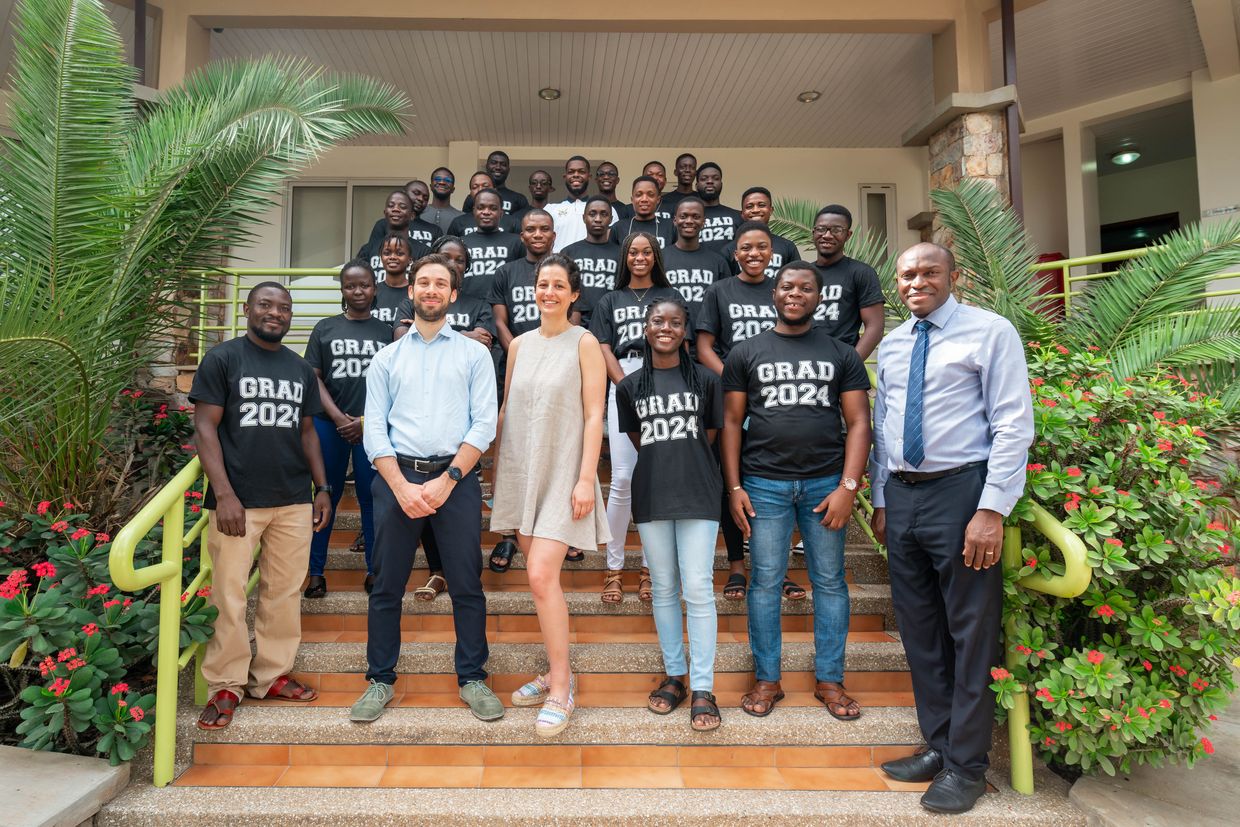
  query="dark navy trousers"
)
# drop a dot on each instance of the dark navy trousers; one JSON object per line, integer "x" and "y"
{"x": 458, "y": 534}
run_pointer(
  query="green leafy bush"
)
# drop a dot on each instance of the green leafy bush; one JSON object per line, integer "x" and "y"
{"x": 1130, "y": 671}
{"x": 78, "y": 656}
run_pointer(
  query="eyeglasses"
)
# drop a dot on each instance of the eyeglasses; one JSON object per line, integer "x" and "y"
{"x": 835, "y": 231}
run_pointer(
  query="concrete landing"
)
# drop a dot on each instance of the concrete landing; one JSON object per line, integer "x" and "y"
{"x": 48, "y": 789}
{"x": 1171, "y": 796}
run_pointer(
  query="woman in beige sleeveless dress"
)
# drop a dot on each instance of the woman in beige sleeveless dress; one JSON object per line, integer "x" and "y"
{"x": 546, "y": 473}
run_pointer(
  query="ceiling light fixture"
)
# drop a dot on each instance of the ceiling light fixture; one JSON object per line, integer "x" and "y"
{"x": 549, "y": 94}
{"x": 1125, "y": 155}
{"x": 809, "y": 96}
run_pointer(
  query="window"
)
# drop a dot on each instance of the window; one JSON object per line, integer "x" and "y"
{"x": 329, "y": 221}
{"x": 878, "y": 212}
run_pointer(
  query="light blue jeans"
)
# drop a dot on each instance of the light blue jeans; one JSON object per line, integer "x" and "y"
{"x": 681, "y": 557}
{"x": 779, "y": 505}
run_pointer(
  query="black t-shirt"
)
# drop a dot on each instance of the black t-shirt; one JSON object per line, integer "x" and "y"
{"x": 782, "y": 252}
{"x": 793, "y": 385}
{"x": 513, "y": 287}
{"x": 511, "y": 201}
{"x": 620, "y": 316}
{"x": 371, "y": 249}
{"x": 466, "y": 224}
{"x": 660, "y": 228}
{"x": 387, "y": 300}
{"x": 598, "y": 264}
{"x": 669, "y": 200}
{"x": 423, "y": 232}
{"x": 735, "y": 310}
{"x": 847, "y": 286}
{"x": 340, "y": 349}
{"x": 720, "y": 227}
{"x": 264, "y": 394}
{"x": 663, "y": 211}
{"x": 692, "y": 272}
{"x": 464, "y": 314}
{"x": 676, "y": 477}
{"x": 487, "y": 253}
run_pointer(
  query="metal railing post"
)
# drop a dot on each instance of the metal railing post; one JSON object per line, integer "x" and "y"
{"x": 1020, "y": 748}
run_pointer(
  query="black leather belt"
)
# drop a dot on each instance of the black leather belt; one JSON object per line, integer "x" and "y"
{"x": 424, "y": 465}
{"x": 914, "y": 477}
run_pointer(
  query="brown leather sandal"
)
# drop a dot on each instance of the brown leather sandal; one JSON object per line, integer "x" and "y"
{"x": 288, "y": 688}
{"x": 435, "y": 586}
{"x": 765, "y": 694}
{"x": 218, "y": 713}
{"x": 613, "y": 588}
{"x": 833, "y": 695}
{"x": 645, "y": 586}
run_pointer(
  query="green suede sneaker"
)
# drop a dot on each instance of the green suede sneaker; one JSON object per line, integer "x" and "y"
{"x": 370, "y": 706}
{"x": 482, "y": 701}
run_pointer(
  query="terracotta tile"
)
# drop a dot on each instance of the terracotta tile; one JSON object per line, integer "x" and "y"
{"x": 430, "y": 682}
{"x": 822, "y": 757}
{"x": 534, "y": 777}
{"x": 433, "y": 700}
{"x": 879, "y": 754}
{"x": 326, "y": 636}
{"x": 630, "y": 777}
{"x": 832, "y": 778}
{"x": 866, "y": 623}
{"x": 733, "y": 778}
{"x": 230, "y": 775}
{"x": 628, "y": 756}
{"x": 727, "y": 756}
{"x": 337, "y": 754}
{"x": 421, "y": 636}
{"x": 432, "y": 776}
{"x": 352, "y": 637}
{"x": 617, "y": 682}
{"x": 532, "y": 757}
{"x": 625, "y": 700}
{"x": 342, "y": 682}
{"x": 882, "y": 681}
{"x": 437, "y": 623}
{"x": 241, "y": 754}
{"x": 332, "y": 776}
{"x": 328, "y": 699}
{"x": 903, "y": 786}
{"x": 435, "y": 755}
{"x": 518, "y": 623}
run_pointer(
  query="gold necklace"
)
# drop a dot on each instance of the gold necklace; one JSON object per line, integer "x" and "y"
{"x": 642, "y": 297}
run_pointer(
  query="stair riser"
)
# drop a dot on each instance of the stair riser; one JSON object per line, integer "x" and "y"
{"x": 516, "y": 580}
{"x": 579, "y": 624}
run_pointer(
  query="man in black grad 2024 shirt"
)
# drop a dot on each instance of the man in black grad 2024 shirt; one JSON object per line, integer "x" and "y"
{"x": 851, "y": 295}
{"x": 490, "y": 247}
{"x": 799, "y": 469}
{"x": 254, "y": 406}
{"x": 597, "y": 256}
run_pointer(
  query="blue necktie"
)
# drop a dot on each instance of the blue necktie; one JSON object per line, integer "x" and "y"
{"x": 914, "y": 442}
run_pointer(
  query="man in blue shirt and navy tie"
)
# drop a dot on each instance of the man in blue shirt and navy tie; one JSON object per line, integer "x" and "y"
{"x": 953, "y": 421}
{"x": 430, "y": 414}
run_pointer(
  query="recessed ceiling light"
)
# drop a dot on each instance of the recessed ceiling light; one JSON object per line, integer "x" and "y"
{"x": 549, "y": 94}
{"x": 1125, "y": 155}
{"x": 809, "y": 96}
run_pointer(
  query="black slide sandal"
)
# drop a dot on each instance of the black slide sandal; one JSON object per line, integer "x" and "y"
{"x": 503, "y": 550}
{"x": 736, "y": 586}
{"x": 674, "y": 698}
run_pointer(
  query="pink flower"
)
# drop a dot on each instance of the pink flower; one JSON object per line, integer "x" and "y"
{"x": 1062, "y": 349}
{"x": 79, "y": 534}
{"x": 1159, "y": 415}
{"x": 1063, "y": 726}
{"x": 1111, "y": 541}
{"x": 1023, "y": 649}
{"x": 1143, "y": 712}
{"x": 120, "y": 688}
{"x": 1072, "y": 471}
{"x": 1105, "y": 611}
{"x": 1149, "y": 667}
{"x": 103, "y": 538}
{"x": 60, "y": 525}
{"x": 136, "y": 713}
{"x": 1037, "y": 382}
{"x": 43, "y": 570}
{"x": 1164, "y": 445}
{"x": 90, "y": 629}
{"x": 1050, "y": 403}
{"x": 999, "y": 673}
{"x": 1121, "y": 492}
{"x": 1216, "y": 526}
{"x": 1207, "y": 746}
{"x": 1176, "y": 669}
{"x": 95, "y": 591}
{"x": 66, "y": 654}
{"x": 107, "y": 604}
{"x": 59, "y": 686}
{"x": 194, "y": 509}
{"x": 1095, "y": 657}
{"x": 42, "y": 508}
{"x": 1032, "y": 562}
{"x": 1164, "y": 703}
{"x": 1035, "y": 466}
{"x": 1048, "y": 741}
{"x": 47, "y": 666}
{"x": 1095, "y": 490}
{"x": 205, "y": 591}
{"x": 1045, "y": 694}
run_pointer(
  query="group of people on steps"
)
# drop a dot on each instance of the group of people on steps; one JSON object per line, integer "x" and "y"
{"x": 729, "y": 376}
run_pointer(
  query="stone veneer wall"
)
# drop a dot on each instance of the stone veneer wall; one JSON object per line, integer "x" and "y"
{"x": 972, "y": 145}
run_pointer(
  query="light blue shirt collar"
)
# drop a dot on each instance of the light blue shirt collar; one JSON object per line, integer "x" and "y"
{"x": 942, "y": 314}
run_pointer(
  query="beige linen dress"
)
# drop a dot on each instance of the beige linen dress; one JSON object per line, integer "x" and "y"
{"x": 541, "y": 444}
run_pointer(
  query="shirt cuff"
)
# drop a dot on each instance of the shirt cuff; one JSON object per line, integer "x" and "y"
{"x": 993, "y": 499}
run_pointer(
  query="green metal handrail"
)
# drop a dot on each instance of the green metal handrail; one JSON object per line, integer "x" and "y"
{"x": 167, "y": 506}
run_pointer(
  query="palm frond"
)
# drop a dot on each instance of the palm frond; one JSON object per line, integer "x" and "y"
{"x": 1168, "y": 279}
{"x": 994, "y": 255}
{"x": 872, "y": 249}
{"x": 1220, "y": 380}
{"x": 1199, "y": 337}
{"x": 793, "y": 218}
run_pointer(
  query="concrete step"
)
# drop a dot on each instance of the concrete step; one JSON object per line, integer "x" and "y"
{"x": 863, "y": 564}
{"x": 607, "y": 658}
{"x": 571, "y": 580}
{"x": 724, "y": 806}
{"x": 871, "y": 599}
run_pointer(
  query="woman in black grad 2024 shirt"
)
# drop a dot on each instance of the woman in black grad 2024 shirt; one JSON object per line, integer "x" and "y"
{"x": 672, "y": 410}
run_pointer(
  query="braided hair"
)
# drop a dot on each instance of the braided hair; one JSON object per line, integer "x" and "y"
{"x": 688, "y": 369}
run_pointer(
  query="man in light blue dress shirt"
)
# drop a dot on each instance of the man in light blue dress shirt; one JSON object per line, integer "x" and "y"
{"x": 953, "y": 421}
{"x": 430, "y": 414}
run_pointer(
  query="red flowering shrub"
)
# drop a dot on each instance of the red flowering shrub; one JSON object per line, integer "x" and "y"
{"x": 71, "y": 646}
{"x": 1131, "y": 670}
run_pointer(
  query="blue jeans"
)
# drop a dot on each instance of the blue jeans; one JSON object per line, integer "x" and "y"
{"x": 779, "y": 504}
{"x": 681, "y": 557}
{"x": 336, "y": 453}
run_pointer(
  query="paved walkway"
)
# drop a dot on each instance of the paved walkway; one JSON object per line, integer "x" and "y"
{"x": 1172, "y": 796}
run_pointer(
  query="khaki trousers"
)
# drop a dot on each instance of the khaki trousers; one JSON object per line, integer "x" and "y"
{"x": 285, "y": 534}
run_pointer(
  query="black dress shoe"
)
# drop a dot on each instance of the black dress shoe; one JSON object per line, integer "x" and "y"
{"x": 923, "y": 765}
{"x": 952, "y": 793}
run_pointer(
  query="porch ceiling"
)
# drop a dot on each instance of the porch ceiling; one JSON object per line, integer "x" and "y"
{"x": 629, "y": 89}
